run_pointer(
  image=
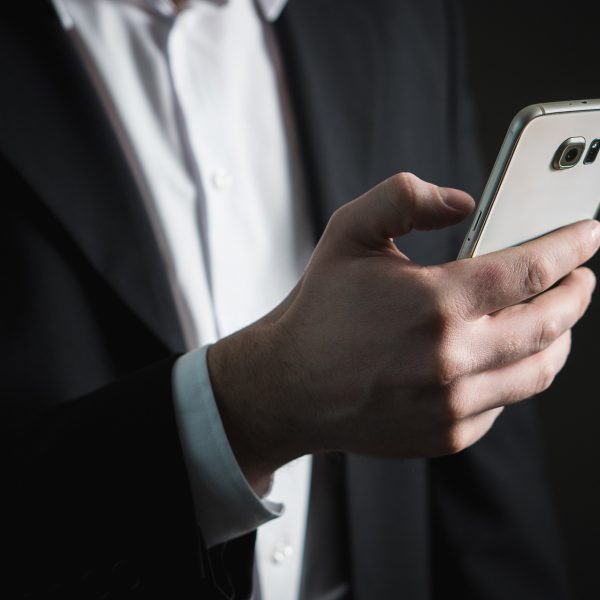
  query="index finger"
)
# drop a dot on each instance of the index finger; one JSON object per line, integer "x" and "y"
{"x": 506, "y": 277}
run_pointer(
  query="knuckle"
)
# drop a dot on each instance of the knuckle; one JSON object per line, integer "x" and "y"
{"x": 490, "y": 276}
{"x": 462, "y": 434}
{"x": 339, "y": 222}
{"x": 404, "y": 183}
{"x": 402, "y": 188}
{"x": 456, "y": 404}
{"x": 545, "y": 377}
{"x": 456, "y": 439}
{"x": 549, "y": 330}
{"x": 585, "y": 295}
{"x": 580, "y": 245}
{"x": 538, "y": 274}
{"x": 441, "y": 321}
{"x": 448, "y": 366}
{"x": 443, "y": 326}
{"x": 429, "y": 280}
{"x": 338, "y": 215}
{"x": 442, "y": 315}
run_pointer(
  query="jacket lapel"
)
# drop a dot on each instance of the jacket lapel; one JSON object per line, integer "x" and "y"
{"x": 334, "y": 100}
{"x": 54, "y": 131}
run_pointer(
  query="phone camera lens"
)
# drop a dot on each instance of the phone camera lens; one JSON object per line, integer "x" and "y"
{"x": 571, "y": 155}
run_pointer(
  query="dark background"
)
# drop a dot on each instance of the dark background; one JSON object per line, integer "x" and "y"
{"x": 523, "y": 53}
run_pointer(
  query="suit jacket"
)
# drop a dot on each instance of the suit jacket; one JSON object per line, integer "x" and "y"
{"x": 98, "y": 503}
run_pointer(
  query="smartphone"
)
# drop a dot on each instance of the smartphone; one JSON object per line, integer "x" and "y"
{"x": 546, "y": 176}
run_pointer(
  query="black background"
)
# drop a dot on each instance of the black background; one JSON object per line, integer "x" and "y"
{"x": 522, "y": 53}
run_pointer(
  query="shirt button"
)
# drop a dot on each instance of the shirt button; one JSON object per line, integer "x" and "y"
{"x": 221, "y": 179}
{"x": 280, "y": 553}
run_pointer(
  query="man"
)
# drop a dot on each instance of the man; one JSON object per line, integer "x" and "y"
{"x": 111, "y": 491}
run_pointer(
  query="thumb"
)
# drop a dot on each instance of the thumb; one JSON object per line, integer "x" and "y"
{"x": 400, "y": 204}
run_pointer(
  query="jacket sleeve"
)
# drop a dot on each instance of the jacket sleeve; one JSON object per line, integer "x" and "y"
{"x": 100, "y": 505}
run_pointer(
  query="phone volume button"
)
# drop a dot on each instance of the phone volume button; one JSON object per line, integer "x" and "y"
{"x": 477, "y": 221}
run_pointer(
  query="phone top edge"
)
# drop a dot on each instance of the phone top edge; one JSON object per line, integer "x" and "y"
{"x": 570, "y": 106}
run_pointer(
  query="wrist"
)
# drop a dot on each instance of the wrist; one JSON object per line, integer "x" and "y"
{"x": 251, "y": 386}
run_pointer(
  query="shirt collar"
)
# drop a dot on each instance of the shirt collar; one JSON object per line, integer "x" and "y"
{"x": 270, "y": 9}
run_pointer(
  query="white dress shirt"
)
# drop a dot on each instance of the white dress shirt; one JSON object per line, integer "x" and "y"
{"x": 198, "y": 100}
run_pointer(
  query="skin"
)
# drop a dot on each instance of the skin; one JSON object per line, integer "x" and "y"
{"x": 374, "y": 354}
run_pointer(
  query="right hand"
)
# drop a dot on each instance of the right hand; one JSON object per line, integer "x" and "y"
{"x": 375, "y": 354}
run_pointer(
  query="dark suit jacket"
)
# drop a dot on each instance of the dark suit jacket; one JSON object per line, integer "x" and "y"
{"x": 98, "y": 500}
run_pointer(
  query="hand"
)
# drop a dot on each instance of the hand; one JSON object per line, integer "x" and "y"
{"x": 375, "y": 354}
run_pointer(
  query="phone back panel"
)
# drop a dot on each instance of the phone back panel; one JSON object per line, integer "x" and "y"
{"x": 533, "y": 197}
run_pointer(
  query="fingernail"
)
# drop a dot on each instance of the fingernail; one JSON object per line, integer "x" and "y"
{"x": 453, "y": 200}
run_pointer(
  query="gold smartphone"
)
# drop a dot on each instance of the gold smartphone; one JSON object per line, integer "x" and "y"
{"x": 546, "y": 176}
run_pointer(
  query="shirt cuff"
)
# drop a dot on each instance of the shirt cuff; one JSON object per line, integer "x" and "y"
{"x": 226, "y": 506}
